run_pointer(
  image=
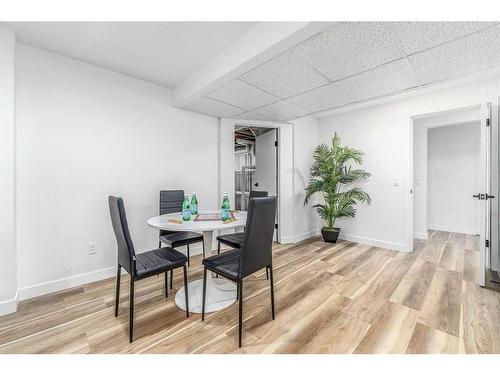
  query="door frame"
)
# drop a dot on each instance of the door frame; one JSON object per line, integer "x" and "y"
{"x": 409, "y": 235}
{"x": 284, "y": 171}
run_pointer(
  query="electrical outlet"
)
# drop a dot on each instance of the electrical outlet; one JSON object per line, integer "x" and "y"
{"x": 92, "y": 246}
{"x": 396, "y": 181}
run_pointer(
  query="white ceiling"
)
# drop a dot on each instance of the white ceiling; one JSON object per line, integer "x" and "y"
{"x": 348, "y": 62}
{"x": 352, "y": 62}
{"x": 160, "y": 52}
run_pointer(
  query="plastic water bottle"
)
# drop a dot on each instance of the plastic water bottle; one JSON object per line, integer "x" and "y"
{"x": 186, "y": 209}
{"x": 194, "y": 204}
{"x": 226, "y": 209}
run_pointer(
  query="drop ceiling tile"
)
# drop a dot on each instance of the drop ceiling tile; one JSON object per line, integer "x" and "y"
{"x": 347, "y": 48}
{"x": 386, "y": 79}
{"x": 322, "y": 98}
{"x": 285, "y": 75}
{"x": 417, "y": 36}
{"x": 242, "y": 95}
{"x": 278, "y": 111}
{"x": 253, "y": 115}
{"x": 213, "y": 107}
{"x": 470, "y": 54}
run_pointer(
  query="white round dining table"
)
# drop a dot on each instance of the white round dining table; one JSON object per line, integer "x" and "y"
{"x": 220, "y": 292}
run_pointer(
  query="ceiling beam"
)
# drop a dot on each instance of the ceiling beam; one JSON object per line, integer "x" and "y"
{"x": 261, "y": 43}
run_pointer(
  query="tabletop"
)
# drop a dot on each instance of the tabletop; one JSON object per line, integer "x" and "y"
{"x": 162, "y": 222}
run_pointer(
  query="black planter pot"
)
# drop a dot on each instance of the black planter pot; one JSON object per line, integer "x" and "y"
{"x": 330, "y": 235}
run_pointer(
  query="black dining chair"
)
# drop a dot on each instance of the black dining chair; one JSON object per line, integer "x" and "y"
{"x": 234, "y": 240}
{"x": 140, "y": 266}
{"x": 171, "y": 202}
{"x": 255, "y": 253}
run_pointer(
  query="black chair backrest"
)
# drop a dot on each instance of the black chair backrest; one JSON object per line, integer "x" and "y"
{"x": 256, "y": 248}
{"x": 258, "y": 194}
{"x": 126, "y": 252}
{"x": 171, "y": 201}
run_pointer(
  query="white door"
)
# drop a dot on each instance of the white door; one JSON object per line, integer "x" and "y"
{"x": 265, "y": 163}
{"x": 484, "y": 195}
{"x": 266, "y": 166}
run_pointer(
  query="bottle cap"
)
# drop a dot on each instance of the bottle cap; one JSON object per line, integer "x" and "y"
{"x": 193, "y": 193}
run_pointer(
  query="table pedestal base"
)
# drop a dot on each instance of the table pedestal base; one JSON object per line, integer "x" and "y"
{"x": 220, "y": 294}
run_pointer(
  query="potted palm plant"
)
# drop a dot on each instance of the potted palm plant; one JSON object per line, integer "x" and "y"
{"x": 333, "y": 175}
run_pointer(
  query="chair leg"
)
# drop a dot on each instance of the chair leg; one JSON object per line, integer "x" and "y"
{"x": 218, "y": 252}
{"x": 204, "y": 295}
{"x": 117, "y": 298}
{"x": 171, "y": 279}
{"x": 131, "y": 314}
{"x": 159, "y": 244}
{"x": 186, "y": 290}
{"x": 188, "y": 254}
{"x": 267, "y": 273}
{"x": 237, "y": 291}
{"x": 166, "y": 284}
{"x": 240, "y": 318}
{"x": 203, "y": 244}
{"x": 271, "y": 284}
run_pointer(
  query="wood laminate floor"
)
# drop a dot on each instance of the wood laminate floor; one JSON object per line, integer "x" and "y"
{"x": 342, "y": 298}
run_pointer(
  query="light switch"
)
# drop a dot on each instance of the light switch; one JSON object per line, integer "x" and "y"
{"x": 396, "y": 181}
{"x": 92, "y": 248}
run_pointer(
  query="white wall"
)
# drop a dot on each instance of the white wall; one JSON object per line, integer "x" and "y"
{"x": 453, "y": 175}
{"x": 305, "y": 140}
{"x": 265, "y": 162}
{"x": 84, "y": 133}
{"x": 383, "y": 132}
{"x": 8, "y": 255}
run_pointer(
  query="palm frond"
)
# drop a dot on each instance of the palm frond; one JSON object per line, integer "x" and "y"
{"x": 314, "y": 186}
{"x": 322, "y": 211}
{"x": 350, "y": 176}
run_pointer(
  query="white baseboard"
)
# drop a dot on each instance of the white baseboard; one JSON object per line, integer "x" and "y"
{"x": 421, "y": 235}
{"x": 454, "y": 229}
{"x": 65, "y": 283}
{"x": 306, "y": 235}
{"x": 373, "y": 242}
{"x": 287, "y": 239}
{"x": 9, "y": 306}
{"x": 81, "y": 279}
{"x": 348, "y": 237}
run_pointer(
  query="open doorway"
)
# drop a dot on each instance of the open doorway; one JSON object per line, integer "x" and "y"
{"x": 446, "y": 164}
{"x": 451, "y": 189}
{"x": 256, "y": 164}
